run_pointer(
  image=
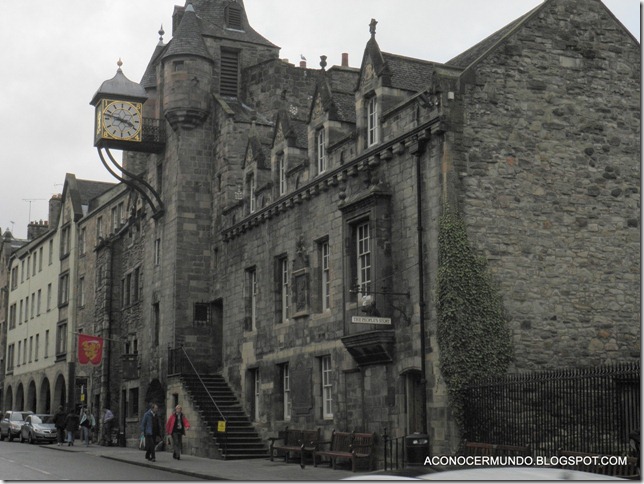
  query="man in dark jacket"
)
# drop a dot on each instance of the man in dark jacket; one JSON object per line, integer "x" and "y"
{"x": 71, "y": 425}
{"x": 59, "y": 421}
{"x": 151, "y": 430}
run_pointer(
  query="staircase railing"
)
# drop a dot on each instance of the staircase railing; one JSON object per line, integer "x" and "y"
{"x": 176, "y": 367}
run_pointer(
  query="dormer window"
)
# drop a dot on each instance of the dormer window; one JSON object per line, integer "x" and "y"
{"x": 372, "y": 122}
{"x": 320, "y": 141}
{"x": 234, "y": 17}
{"x": 281, "y": 167}
{"x": 251, "y": 194}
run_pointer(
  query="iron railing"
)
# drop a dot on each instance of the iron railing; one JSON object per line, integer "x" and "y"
{"x": 179, "y": 363}
{"x": 394, "y": 452}
{"x": 587, "y": 410}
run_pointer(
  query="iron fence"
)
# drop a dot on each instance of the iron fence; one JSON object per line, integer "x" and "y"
{"x": 587, "y": 410}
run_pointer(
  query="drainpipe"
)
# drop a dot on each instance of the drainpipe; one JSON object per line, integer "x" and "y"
{"x": 418, "y": 149}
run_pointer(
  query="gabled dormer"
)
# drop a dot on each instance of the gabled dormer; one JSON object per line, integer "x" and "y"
{"x": 256, "y": 173}
{"x": 288, "y": 154}
{"x": 331, "y": 118}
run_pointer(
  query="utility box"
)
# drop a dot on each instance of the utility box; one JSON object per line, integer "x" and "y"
{"x": 416, "y": 448}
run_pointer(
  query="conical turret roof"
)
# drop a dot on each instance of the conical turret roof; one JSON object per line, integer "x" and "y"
{"x": 188, "y": 39}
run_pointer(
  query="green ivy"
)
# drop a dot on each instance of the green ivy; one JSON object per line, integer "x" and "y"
{"x": 473, "y": 336}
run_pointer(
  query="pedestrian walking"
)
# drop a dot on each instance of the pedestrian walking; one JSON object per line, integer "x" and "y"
{"x": 151, "y": 430}
{"x": 71, "y": 426}
{"x": 59, "y": 421}
{"x": 87, "y": 423}
{"x": 108, "y": 421}
{"x": 176, "y": 426}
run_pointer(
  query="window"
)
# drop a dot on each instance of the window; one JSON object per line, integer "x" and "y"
{"x": 33, "y": 266}
{"x": 281, "y": 164}
{"x": 33, "y": 305}
{"x": 10, "y": 357}
{"x": 39, "y": 305}
{"x": 61, "y": 339}
{"x": 22, "y": 272}
{"x": 320, "y": 138}
{"x": 251, "y": 194}
{"x": 51, "y": 252}
{"x": 28, "y": 265}
{"x": 19, "y": 351}
{"x": 286, "y": 389}
{"x": 40, "y": 252}
{"x": 37, "y": 348}
{"x": 283, "y": 280}
{"x": 327, "y": 388}
{"x": 31, "y": 348}
{"x": 12, "y": 316}
{"x": 47, "y": 344}
{"x": 99, "y": 228}
{"x": 21, "y": 311}
{"x": 63, "y": 290}
{"x": 26, "y": 308}
{"x": 14, "y": 278}
{"x": 24, "y": 351}
{"x": 64, "y": 241}
{"x": 325, "y": 276}
{"x": 157, "y": 252}
{"x": 49, "y": 296}
{"x": 251, "y": 299}
{"x": 133, "y": 403}
{"x": 372, "y": 122}
{"x": 81, "y": 242}
{"x": 81, "y": 291}
{"x": 363, "y": 259}
{"x": 228, "y": 83}
{"x": 201, "y": 313}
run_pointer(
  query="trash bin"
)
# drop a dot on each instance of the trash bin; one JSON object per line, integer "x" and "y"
{"x": 416, "y": 448}
{"x": 121, "y": 440}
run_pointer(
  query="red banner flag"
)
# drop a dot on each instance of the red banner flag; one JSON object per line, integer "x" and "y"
{"x": 90, "y": 349}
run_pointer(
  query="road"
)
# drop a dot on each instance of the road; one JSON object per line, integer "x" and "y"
{"x": 26, "y": 462}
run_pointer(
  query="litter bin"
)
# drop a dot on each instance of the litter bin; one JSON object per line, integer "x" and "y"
{"x": 416, "y": 448}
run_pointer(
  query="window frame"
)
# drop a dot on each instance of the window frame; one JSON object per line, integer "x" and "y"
{"x": 373, "y": 135}
{"x": 326, "y": 383}
{"x": 320, "y": 149}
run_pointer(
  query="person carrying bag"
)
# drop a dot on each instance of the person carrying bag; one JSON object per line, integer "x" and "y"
{"x": 176, "y": 427}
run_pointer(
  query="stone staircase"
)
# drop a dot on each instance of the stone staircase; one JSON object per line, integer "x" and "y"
{"x": 241, "y": 440}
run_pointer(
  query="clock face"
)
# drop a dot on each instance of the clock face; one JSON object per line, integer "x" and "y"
{"x": 122, "y": 120}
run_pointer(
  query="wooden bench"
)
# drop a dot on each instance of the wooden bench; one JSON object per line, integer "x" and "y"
{"x": 483, "y": 448}
{"x": 630, "y": 470}
{"x": 298, "y": 442}
{"x": 356, "y": 447}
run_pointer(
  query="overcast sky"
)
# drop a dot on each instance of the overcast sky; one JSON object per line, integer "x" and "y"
{"x": 54, "y": 55}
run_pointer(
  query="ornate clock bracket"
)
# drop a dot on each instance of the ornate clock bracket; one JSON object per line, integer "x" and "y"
{"x": 135, "y": 182}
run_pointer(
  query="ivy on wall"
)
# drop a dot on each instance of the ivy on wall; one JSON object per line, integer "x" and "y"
{"x": 473, "y": 336}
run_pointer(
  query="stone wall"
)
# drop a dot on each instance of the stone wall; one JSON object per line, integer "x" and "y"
{"x": 549, "y": 161}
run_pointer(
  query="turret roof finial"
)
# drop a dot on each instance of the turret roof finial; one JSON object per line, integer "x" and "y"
{"x": 161, "y": 33}
{"x": 323, "y": 62}
{"x": 372, "y": 27}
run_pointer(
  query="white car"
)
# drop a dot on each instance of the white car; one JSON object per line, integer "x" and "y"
{"x": 11, "y": 424}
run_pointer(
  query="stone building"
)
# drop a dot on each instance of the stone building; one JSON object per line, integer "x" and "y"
{"x": 281, "y": 232}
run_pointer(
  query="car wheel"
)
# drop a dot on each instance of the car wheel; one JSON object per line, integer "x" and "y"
{"x": 10, "y": 437}
{"x": 1, "y": 436}
{"x": 22, "y": 440}
{"x": 31, "y": 439}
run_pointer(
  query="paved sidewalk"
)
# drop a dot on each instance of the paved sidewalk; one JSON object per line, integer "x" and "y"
{"x": 212, "y": 469}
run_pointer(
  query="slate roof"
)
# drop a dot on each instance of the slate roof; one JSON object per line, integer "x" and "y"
{"x": 90, "y": 189}
{"x": 407, "y": 73}
{"x": 212, "y": 15}
{"x": 188, "y": 39}
{"x": 149, "y": 78}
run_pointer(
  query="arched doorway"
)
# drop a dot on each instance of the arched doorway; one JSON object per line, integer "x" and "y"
{"x": 44, "y": 402}
{"x": 8, "y": 399}
{"x": 155, "y": 394}
{"x": 19, "y": 404}
{"x": 31, "y": 397}
{"x": 60, "y": 392}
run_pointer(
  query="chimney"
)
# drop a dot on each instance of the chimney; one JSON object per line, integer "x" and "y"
{"x": 55, "y": 204}
{"x": 303, "y": 64}
{"x": 35, "y": 229}
{"x": 345, "y": 59}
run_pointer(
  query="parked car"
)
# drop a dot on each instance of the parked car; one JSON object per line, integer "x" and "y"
{"x": 11, "y": 423}
{"x": 38, "y": 428}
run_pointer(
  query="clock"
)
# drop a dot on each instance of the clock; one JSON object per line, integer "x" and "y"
{"x": 120, "y": 120}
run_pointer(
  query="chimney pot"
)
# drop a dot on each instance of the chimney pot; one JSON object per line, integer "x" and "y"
{"x": 345, "y": 59}
{"x": 303, "y": 64}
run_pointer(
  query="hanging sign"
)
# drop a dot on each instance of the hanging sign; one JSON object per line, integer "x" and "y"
{"x": 90, "y": 349}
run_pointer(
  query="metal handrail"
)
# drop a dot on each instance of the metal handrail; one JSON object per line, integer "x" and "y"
{"x": 203, "y": 384}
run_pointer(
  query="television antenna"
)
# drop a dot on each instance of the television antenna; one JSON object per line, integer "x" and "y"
{"x": 31, "y": 200}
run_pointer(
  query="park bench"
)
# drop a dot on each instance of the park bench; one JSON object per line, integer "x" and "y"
{"x": 356, "y": 447}
{"x": 578, "y": 463}
{"x": 296, "y": 442}
{"x": 484, "y": 448}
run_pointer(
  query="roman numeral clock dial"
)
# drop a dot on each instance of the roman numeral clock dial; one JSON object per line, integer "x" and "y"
{"x": 122, "y": 120}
